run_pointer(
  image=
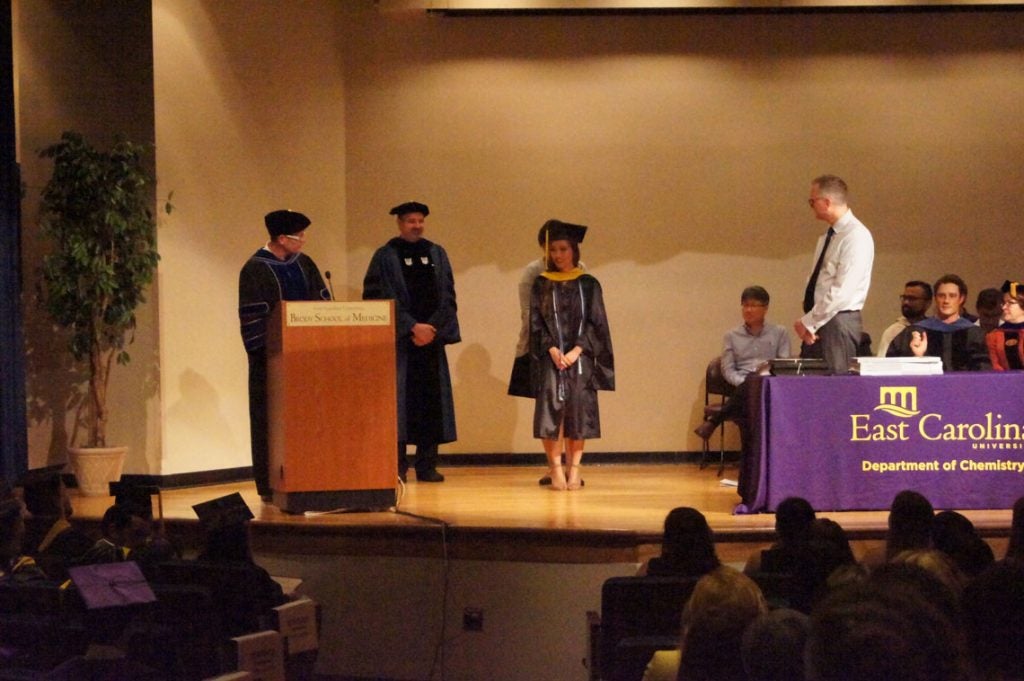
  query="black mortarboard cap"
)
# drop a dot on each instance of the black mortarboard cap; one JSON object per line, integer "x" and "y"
{"x": 285, "y": 222}
{"x": 110, "y": 585}
{"x": 223, "y": 512}
{"x": 556, "y": 230}
{"x": 40, "y": 487}
{"x": 135, "y": 498}
{"x": 410, "y": 207}
{"x": 1014, "y": 288}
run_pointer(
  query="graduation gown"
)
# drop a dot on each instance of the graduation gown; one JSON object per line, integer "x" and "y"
{"x": 262, "y": 283}
{"x": 565, "y": 314}
{"x": 386, "y": 280}
{"x": 1006, "y": 348}
{"x": 961, "y": 345}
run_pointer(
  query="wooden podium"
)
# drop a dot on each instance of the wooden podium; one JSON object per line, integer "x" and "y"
{"x": 332, "y": 405}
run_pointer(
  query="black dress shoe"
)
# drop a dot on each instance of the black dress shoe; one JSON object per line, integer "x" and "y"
{"x": 429, "y": 475}
{"x": 705, "y": 429}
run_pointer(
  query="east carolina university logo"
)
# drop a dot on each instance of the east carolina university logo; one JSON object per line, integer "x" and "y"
{"x": 898, "y": 400}
{"x": 984, "y": 431}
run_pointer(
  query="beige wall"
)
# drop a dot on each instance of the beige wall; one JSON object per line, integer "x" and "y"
{"x": 686, "y": 142}
{"x": 84, "y": 67}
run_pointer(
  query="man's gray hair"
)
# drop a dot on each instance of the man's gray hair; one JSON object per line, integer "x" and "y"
{"x": 833, "y": 187}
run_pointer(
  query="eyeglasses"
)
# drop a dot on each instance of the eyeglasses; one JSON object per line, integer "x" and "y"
{"x": 810, "y": 202}
{"x": 1007, "y": 303}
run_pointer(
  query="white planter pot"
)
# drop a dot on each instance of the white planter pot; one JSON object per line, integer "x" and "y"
{"x": 96, "y": 467}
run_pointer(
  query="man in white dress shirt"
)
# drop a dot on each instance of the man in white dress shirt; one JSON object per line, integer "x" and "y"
{"x": 839, "y": 283}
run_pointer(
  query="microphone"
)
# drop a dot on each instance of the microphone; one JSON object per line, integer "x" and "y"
{"x": 330, "y": 286}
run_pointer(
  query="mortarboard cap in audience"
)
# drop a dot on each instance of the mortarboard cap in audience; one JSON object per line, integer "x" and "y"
{"x": 556, "y": 230}
{"x": 1014, "y": 288}
{"x": 223, "y": 512}
{"x": 109, "y": 585}
{"x": 281, "y": 222}
{"x": 136, "y": 498}
{"x": 40, "y": 489}
{"x": 410, "y": 207}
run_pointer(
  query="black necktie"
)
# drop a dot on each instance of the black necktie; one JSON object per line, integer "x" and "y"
{"x": 813, "y": 281}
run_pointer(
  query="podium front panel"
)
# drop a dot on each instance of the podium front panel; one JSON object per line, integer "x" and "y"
{"x": 332, "y": 400}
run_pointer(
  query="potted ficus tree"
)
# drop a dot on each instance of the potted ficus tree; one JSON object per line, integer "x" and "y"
{"x": 96, "y": 211}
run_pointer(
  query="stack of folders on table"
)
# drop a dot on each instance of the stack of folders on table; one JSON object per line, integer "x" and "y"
{"x": 898, "y": 366}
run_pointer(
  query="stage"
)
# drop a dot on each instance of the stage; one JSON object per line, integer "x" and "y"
{"x": 501, "y": 513}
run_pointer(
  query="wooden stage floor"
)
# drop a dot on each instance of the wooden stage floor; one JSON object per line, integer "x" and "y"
{"x": 501, "y": 513}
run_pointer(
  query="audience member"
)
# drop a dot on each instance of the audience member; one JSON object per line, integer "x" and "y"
{"x": 688, "y": 546}
{"x": 113, "y": 653}
{"x": 747, "y": 349}
{"x": 914, "y": 304}
{"x": 937, "y": 564}
{"x": 252, "y": 592}
{"x": 721, "y": 606}
{"x": 773, "y": 646}
{"x": 138, "y": 501}
{"x": 840, "y": 564}
{"x": 948, "y": 335}
{"x": 993, "y": 605}
{"x": 1015, "y": 548}
{"x": 794, "y": 520}
{"x": 1006, "y": 343}
{"x": 49, "y": 535}
{"x": 887, "y": 627}
{"x": 990, "y": 309}
{"x": 911, "y": 517}
{"x": 121, "y": 532}
{"x": 14, "y": 566}
{"x": 798, "y": 554}
{"x": 954, "y": 534}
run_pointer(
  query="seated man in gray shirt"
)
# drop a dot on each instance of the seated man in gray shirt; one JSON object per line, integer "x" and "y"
{"x": 747, "y": 348}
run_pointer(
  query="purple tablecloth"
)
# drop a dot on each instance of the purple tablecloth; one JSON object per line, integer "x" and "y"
{"x": 853, "y": 442}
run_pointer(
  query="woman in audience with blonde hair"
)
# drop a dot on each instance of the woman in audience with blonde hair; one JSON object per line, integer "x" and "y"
{"x": 724, "y": 602}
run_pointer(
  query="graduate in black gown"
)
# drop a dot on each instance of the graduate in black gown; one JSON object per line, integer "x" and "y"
{"x": 278, "y": 271}
{"x": 50, "y": 536}
{"x": 417, "y": 275}
{"x": 571, "y": 354}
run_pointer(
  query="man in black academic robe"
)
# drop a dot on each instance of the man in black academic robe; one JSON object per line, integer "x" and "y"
{"x": 278, "y": 271}
{"x": 417, "y": 275}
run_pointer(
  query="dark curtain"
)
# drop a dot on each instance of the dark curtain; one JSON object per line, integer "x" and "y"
{"x": 13, "y": 439}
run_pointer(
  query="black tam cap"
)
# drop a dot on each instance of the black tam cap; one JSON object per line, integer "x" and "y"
{"x": 40, "y": 489}
{"x": 223, "y": 512}
{"x": 1014, "y": 288}
{"x": 556, "y": 230}
{"x": 410, "y": 207}
{"x": 285, "y": 222}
